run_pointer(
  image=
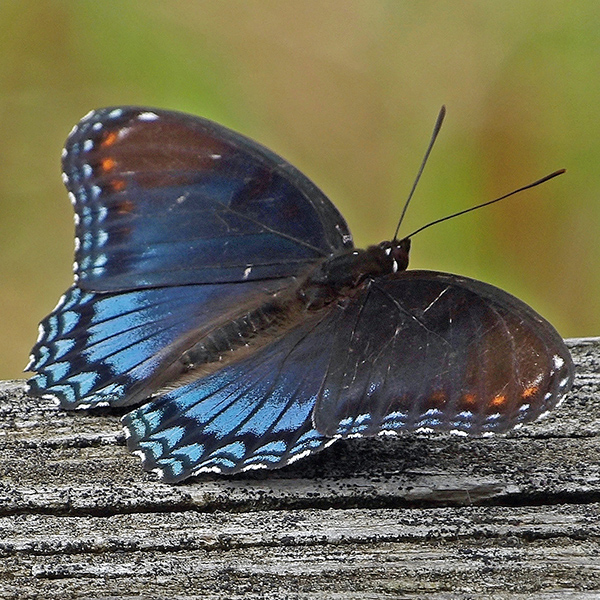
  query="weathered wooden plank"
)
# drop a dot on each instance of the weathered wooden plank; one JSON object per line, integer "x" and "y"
{"x": 516, "y": 516}
{"x": 471, "y": 550}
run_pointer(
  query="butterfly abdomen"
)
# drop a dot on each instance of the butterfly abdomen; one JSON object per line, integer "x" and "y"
{"x": 240, "y": 332}
{"x": 232, "y": 337}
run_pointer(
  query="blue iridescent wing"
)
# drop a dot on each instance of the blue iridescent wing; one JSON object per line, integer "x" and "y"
{"x": 181, "y": 227}
{"x": 255, "y": 413}
{"x": 421, "y": 350}
{"x": 178, "y": 221}
{"x": 164, "y": 198}
{"x": 116, "y": 348}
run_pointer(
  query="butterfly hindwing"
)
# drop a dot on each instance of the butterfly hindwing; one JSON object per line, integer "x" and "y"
{"x": 255, "y": 413}
{"x": 422, "y": 350}
{"x": 112, "y": 348}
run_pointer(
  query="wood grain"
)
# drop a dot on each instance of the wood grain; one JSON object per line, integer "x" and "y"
{"x": 513, "y": 516}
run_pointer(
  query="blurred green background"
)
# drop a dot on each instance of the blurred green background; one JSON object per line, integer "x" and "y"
{"x": 346, "y": 90}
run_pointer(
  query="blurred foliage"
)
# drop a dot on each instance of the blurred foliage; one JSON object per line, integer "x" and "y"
{"x": 348, "y": 91}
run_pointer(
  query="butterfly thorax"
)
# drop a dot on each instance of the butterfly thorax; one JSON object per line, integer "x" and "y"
{"x": 342, "y": 273}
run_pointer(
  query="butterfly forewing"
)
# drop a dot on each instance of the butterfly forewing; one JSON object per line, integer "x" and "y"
{"x": 163, "y": 198}
{"x": 433, "y": 350}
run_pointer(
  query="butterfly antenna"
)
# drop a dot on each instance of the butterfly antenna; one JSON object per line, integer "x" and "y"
{"x": 467, "y": 210}
{"x": 436, "y": 130}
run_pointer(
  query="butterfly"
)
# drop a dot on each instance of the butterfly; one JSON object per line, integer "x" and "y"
{"x": 219, "y": 295}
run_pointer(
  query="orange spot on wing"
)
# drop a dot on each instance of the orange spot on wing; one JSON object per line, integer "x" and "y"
{"x": 107, "y": 164}
{"x": 498, "y": 401}
{"x": 437, "y": 399}
{"x": 530, "y": 391}
{"x": 110, "y": 139}
{"x": 117, "y": 185}
{"x": 468, "y": 401}
{"x": 125, "y": 207}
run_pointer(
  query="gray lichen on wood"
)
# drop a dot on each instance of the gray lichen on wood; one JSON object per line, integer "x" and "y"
{"x": 513, "y": 516}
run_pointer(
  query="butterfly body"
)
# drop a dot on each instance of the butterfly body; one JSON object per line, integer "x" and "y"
{"x": 262, "y": 319}
{"x": 219, "y": 289}
{"x": 343, "y": 273}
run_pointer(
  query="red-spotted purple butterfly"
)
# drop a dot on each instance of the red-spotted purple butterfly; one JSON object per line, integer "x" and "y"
{"x": 217, "y": 284}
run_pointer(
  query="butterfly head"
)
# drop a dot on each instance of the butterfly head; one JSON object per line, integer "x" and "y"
{"x": 397, "y": 251}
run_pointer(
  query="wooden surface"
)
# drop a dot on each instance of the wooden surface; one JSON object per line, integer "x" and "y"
{"x": 515, "y": 516}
